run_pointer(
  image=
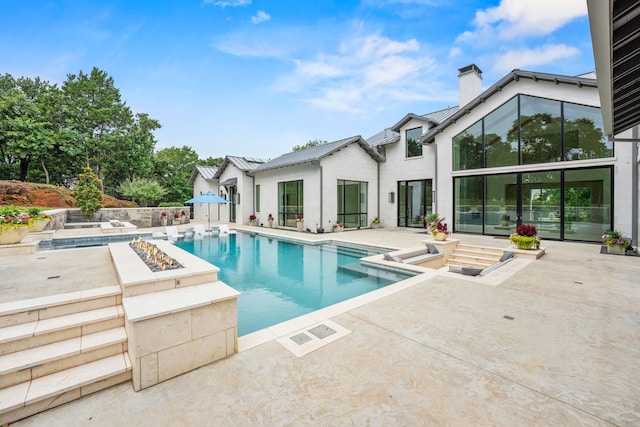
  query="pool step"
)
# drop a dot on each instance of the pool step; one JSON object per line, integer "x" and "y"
{"x": 58, "y": 348}
{"x": 474, "y": 256}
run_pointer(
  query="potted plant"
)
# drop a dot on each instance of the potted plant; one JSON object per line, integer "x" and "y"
{"x": 176, "y": 218}
{"x": 431, "y": 219}
{"x": 183, "y": 217}
{"x": 253, "y": 220}
{"x": 40, "y": 220}
{"x": 163, "y": 218}
{"x": 376, "y": 223}
{"x": 14, "y": 225}
{"x": 338, "y": 226}
{"x": 439, "y": 230}
{"x": 615, "y": 242}
{"x": 299, "y": 223}
{"x": 525, "y": 237}
{"x": 270, "y": 218}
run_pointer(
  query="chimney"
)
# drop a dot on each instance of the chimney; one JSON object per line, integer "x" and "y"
{"x": 469, "y": 83}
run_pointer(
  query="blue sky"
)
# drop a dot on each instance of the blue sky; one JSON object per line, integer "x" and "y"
{"x": 256, "y": 77}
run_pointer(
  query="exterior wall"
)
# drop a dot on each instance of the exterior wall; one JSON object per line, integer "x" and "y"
{"x": 201, "y": 210}
{"x": 361, "y": 167}
{"x": 244, "y": 187}
{"x": 320, "y": 194}
{"x": 561, "y": 92}
{"x": 398, "y": 167}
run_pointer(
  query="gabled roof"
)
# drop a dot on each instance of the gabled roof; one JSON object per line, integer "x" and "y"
{"x": 409, "y": 117}
{"x": 245, "y": 164}
{"x": 207, "y": 172}
{"x": 384, "y": 137}
{"x": 315, "y": 154}
{"x": 513, "y": 76}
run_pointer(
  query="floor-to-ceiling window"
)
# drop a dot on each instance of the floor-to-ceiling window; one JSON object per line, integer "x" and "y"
{"x": 290, "y": 202}
{"x": 563, "y": 203}
{"x": 352, "y": 203}
{"x": 414, "y": 202}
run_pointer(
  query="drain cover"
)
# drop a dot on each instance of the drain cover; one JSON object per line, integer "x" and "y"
{"x": 301, "y": 338}
{"x": 322, "y": 331}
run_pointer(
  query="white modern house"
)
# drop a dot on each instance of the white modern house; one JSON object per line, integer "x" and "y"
{"x": 529, "y": 149}
{"x": 236, "y": 184}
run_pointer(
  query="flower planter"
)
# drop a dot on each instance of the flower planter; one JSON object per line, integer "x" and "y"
{"x": 525, "y": 245}
{"x": 441, "y": 236}
{"x": 300, "y": 226}
{"x": 11, "y": 235}
{"x": 338, "y": 229}
{"x": 615, "y": 249}
{"x": 270, "y": 223}
{"x": 40, "y": 224}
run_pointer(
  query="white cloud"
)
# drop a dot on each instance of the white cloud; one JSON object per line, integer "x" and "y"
{"x": 260, "y": 17}
{"x": 523, "y": 58}
{"x": 229, "y": 3}
{"x": 513, "y": 19}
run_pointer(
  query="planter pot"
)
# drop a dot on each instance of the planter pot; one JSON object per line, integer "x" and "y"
{"x": 270, "y": 223}
{"x": 176, "y": 222}
{"x": 253, "y": 223}
{"x": 615, "y": 249}
{"x": 164, "y": 222}
{"x": 300, "y": 226}
{"x": 441, "y": 236}
{"x": 374, "y": 226}
{"x": 338, "y": 229}
{"x": 10, "y": 235}
{"x": 40, "y": 224}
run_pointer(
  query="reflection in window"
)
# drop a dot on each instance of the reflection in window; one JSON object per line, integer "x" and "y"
{"x": 414, "y": 147}
{"x": 584, "y": 137}
{"x": 467, "y": 148}
{"x": 501, "y": 135}
{"x": 540, "y": 130}
{"x": 468, "y": 210}
{"x": 291, "y": 202}
{"x": 352, "y": 203}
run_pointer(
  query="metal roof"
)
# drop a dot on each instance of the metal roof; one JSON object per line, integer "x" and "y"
{"x": 245, "y": 164}
{"x": 207, "y": 172}
{"x": 513, "y": 76}
{"x": 384, "y": 137}
{"x": 315, "y": 154}
{"x": 615, "y": 35}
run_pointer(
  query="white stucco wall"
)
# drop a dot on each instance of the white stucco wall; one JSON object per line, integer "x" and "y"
{"x": 244, "y": 187}
{"x": 200, "y": 210}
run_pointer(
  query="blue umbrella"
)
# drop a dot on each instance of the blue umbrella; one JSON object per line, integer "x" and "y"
{"x": 208, "y": 198}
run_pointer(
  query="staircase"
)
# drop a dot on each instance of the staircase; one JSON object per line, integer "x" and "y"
{"x": 474, "y": 256}
{"x": 59, "y": 348}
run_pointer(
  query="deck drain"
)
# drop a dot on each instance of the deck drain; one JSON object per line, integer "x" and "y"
{"x": 578, "y": 283}
{"x": 322, "y": 331}
{"x": 53, "y": 277}
{"x": 508, "y": 317}
{"x": 301, "y": 338}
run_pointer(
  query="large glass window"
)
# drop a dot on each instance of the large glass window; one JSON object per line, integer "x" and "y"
{"x": 415, "y": 199}
{"x": 501, "y": 204}
{"x": 467, "y": 148}
{"x": 468, "y": 209}
{"x": 587, "y": 203}
{"x": 414, "y": 147}
{"x": 584, "y": 137}
{"x": 291, "y": 202}
{"x": 501, "y": 135}
{"x": 536, "y": 131}
{"x": 540, "y": 130}
{"x": 541, "y": 203}
{"x": 352, "y": 203}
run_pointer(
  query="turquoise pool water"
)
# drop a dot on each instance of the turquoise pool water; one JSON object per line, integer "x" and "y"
{"x": 280, "y": 280}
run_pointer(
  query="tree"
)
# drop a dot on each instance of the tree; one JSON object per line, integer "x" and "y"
{"x": 88, "y": 195}
{"x": 309, "y": 144}
{"x": 173, "y": 167}
{"x": 211, "y": 161}
{"x": 98, "y": 118}
{"x": 143, "y": 190}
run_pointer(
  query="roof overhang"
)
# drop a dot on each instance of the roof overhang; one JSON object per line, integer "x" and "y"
{"x": 615, "y": 35}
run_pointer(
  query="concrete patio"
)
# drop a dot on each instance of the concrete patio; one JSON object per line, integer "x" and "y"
{"x": 556, "y": 343}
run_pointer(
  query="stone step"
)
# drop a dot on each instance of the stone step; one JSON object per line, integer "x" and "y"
{"x": 30, "y": 397}
{"x": 465, "y": 262}
{"x": 41, "y": 332}
{"x": 29, "y": 310}
{"x": 36, "y": 362}
{"x": 475, "y": 256}
{"x": 480, "y": 249}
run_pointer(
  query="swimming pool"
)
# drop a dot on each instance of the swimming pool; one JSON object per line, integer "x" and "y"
{"x": 280, "y": 280}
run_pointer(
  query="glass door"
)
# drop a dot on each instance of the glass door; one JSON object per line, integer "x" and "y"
{"x": 414, "y": 202}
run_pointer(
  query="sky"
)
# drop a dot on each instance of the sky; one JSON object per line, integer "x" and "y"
{"x": 256, "y": 77}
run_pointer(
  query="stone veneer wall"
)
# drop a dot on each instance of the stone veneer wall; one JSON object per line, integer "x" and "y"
{"x": 140, "y": 217}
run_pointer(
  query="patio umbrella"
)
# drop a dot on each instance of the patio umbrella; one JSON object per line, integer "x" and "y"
{"x": 208, "y": 198}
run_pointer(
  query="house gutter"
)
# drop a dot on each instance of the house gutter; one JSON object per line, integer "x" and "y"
{"x": 634, "y": 188}
{"x": 321, "y": 196}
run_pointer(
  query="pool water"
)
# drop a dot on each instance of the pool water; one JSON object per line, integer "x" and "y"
{"x": 280, "y": 280}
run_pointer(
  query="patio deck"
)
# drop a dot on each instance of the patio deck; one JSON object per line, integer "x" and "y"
{"x": 556, "y": 343}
